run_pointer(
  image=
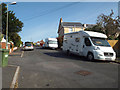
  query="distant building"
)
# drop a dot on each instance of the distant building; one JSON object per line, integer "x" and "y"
{"x": 38, "y": 43}
{"x": 41, "y": 43}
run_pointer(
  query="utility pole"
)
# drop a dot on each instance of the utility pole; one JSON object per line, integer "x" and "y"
{"x": 13, "y": 3}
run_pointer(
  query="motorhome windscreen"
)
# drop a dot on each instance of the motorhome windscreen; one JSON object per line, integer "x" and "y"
{"x": 52, "y": 42}
{"x": 100, "y": 41}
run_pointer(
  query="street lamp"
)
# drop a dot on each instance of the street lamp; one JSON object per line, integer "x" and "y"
{"x": 13, "y": 3}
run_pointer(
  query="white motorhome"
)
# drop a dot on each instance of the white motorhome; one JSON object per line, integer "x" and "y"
{"x": 92, "y": 45}
{"x": 51, "y": 43}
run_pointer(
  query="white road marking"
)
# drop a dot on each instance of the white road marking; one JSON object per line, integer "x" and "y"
{"x": 22, "y": 53}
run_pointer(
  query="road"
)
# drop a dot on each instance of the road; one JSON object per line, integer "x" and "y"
{"x": 45, "y": 68}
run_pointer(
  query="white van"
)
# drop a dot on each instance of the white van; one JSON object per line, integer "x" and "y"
{"x": 92, "y": 45}
{"x": 51, "y": 43}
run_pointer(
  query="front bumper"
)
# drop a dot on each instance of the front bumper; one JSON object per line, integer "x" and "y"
{"x": 28, "y": 48}
{"x": 100, "y": 56}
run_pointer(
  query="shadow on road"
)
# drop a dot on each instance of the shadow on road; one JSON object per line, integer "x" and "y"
{"x": 15, "y": 55}
{"x": 61, "y": 54}
{"x": 38, "y": 48}
{"x": 44, "y": 48}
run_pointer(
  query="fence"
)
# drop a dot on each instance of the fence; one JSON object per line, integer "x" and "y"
{"x": 115, "y": 44}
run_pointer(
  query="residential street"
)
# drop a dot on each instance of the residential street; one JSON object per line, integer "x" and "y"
{"x": 45, "y": 68}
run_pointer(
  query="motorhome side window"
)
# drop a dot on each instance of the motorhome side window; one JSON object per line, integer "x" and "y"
{"x": 65, "y": 40}
{"x": 77, "y": 39}
{"x": 87, "y": 42}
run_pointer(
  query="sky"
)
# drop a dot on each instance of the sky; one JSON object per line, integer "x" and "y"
{"x": 61, "y": 0}
{"x": 41, "y": 19}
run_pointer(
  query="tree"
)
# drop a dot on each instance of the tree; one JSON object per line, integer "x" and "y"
{"x": 110, "y": 26}
{"x": 14, "y": 26}
{"x": 96, "y": 28}
{"x": 15, "y": 37}
{"x": 107, "y": 25}
{"x": 1, "y": 36}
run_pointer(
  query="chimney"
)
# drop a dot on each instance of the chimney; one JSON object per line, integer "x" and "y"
{"x": 61, "y": 20}
{"x": 85, "y": 25}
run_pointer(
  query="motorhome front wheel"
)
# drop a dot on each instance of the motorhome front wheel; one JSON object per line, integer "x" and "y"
{"x": 90, "y": 56}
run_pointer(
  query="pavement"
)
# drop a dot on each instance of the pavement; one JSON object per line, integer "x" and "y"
{"x": 9, "y": 71}
{"x": 7, "y": 76}
{"x": 46, "y": 68}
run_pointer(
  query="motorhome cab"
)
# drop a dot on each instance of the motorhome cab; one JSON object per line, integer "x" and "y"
{"x": 51, "y": 43}
{"x": 92, "y": 45}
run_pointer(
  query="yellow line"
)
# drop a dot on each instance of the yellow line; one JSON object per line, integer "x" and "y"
{"x": 15, "y": 78}
{"x": 12, "y": 66}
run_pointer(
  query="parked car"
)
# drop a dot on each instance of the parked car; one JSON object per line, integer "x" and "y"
{"x": 92, "y": 45}
{"x": 28, "y": 46}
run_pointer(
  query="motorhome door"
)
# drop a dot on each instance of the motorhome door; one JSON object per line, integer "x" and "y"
{"x": 86, "y": 46}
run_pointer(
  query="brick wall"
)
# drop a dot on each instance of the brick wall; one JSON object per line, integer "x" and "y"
{"x": 3, "y": 46}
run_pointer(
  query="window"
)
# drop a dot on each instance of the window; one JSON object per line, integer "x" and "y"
{"x": 77, "y": 39}
{"x": 65, "y": 40}
{"x": 71, "y": 36}
{"x": 100, "y": 41}
{"x": 70, "y": 30}
{"x": 52, "y": 42}
{"x": 28, "y": 43}
{"x": 87, "y": 42}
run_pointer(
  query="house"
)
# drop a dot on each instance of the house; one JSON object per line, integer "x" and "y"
{"x": 41, "y": 43}
{"x": 67, "y": 27}
{"x": 38, "y": 43}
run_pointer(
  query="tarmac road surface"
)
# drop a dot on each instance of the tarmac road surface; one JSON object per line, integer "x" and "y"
{"x": 46, "y": 68}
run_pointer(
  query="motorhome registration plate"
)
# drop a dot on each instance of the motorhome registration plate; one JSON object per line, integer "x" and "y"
{"x": 107, "y": 58}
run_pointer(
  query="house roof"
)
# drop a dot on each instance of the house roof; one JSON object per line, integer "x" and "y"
{"x": 71, "y": 24}
{"x": 38, "y": 41}
{"x": 90, "y": 25}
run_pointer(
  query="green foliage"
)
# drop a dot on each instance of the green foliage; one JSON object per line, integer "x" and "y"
{"x": 1, "y": 36}
{"x": 110, "y": 26}
{"x": 14, "y": 25}
{"x": 118, "y": 38}
{"x": 96, "y": 28}
{"x": 107, "y": 25}
{"x": 16, "y": 39}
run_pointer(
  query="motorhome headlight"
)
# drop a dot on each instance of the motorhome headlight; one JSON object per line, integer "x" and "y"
{"x": 96, "y": 48}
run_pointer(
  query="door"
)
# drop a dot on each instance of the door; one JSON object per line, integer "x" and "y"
{"x": 86, "y": 46}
